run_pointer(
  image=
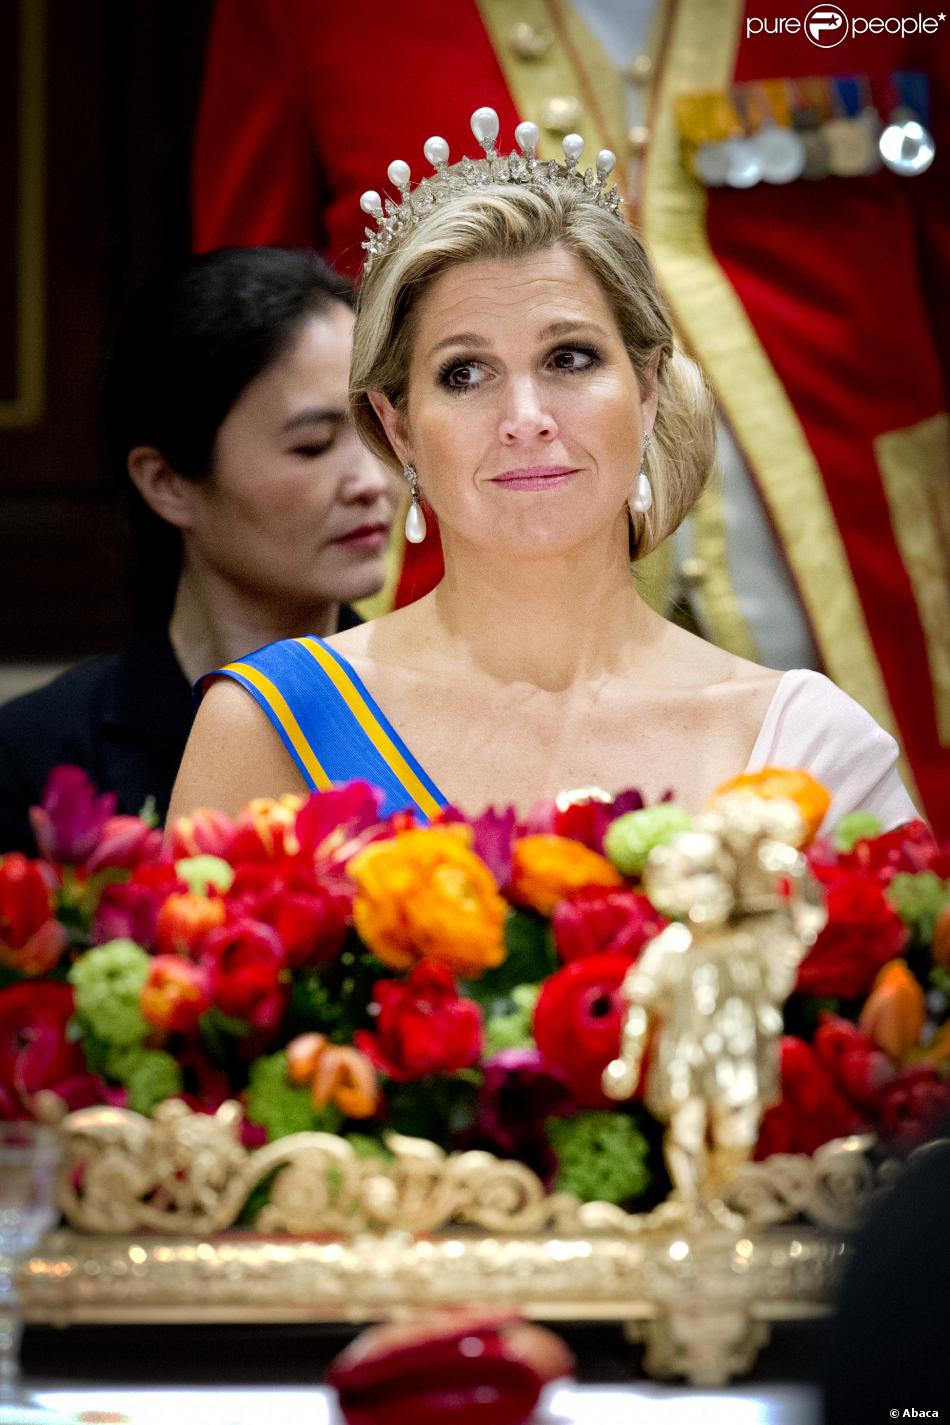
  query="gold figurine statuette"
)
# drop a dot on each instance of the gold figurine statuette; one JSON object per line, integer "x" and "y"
{"x": 707, "y": 991}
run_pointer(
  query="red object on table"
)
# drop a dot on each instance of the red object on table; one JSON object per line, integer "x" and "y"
{"x": 472, "y": 1367}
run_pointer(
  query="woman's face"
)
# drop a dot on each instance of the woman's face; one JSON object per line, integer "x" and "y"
{"x": 518, "y": 371}
{"x": 291, "y": 482}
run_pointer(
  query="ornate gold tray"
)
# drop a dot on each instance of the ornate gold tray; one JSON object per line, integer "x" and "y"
{"x": 151, "y": 1205}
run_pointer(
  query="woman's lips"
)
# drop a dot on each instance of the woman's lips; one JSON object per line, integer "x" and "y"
{"x": 367, "y": 537}
{"x": 535, "y": 477}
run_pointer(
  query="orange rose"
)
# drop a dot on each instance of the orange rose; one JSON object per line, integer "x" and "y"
{"x": 794, "y": 784}
{"x": 425, "y": 895}
{"x": 337, "y": 1074}
{"x": 894, "y": 1012}
{"x": 547, "y": 868}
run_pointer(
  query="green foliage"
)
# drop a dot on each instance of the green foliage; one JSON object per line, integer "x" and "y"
{"x": 512, "y": 1028}
{"x": 438, "y": 1107}
{"x": 108, "y": 981}
{"x": 631, "y": 838}
{"x": 602, "y": 1156}
{"x": 856, "y": 826}
{"x": 918, "y": 899}
{"x": 366, "y": 1147}
{"x": 334, "y": 999}
{"x": 282, "y": 1107}
{"x": 151, "y": 1078}
{"x": 530, "y": 957}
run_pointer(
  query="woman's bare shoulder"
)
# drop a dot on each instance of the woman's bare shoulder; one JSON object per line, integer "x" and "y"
{"x": 696, "y": 660}
{"x": 233, "y": 755}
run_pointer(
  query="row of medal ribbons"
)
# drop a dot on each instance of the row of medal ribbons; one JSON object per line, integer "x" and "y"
{"x": 782, "y": 130}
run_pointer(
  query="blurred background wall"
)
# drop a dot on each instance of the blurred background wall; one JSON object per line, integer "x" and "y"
{"x": 97, "y": 106}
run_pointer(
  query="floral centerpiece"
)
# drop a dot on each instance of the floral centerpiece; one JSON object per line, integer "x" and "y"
{"x": 459, "y": 981}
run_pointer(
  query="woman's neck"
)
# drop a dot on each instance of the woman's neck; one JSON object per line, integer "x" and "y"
{"x": 214, "y": 622}
{"x": 550, "y": 623}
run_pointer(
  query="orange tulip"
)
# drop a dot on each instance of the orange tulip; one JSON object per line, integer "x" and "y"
{"x": 547, "y": 868}
{"x": 894, "y": 1012}
{"x": 302, "y": 1055}
{"x": 796, "y": 785}
{"x": 183, "y": 920}
{"x": 347, "y": 1078}
{"x": 337, "y": 1074}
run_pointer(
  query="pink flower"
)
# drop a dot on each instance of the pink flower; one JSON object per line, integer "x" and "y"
{"x": 594, "y": 919}
{"x": 70, "y": 821}
{"x": 204, "y": 833}
{"x": 329, "y": 822}
{"x": 519, "y": 1092}
{"x": 126, "y": 842}
{"x": 913, "y": 1107}
{"x": 129, "y": 909}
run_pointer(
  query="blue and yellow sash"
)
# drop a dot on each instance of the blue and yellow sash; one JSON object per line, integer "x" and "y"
{"x": 331, "y": 726}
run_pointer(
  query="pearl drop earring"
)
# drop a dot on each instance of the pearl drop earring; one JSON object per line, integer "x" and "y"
{"x": 415, "y": 519}
{"x": 643, "y": 495}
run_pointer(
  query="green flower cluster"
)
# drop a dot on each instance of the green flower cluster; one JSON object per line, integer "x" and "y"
{"x": 282, "y": 1107}
{"x": 601, "y": 1156}
{"x": 514, "y": 1029}
{"x": 107, "y": 981}
{"x": 151, "y": 1077}
{"x": 631, "y": 838}
{"x": 200, "y": 872}
{"x": 856, "y": 826}
{"x": 918, "y": 900}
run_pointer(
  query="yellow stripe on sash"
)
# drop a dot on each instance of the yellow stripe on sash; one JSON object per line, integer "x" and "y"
{"x": 370, "y": 724}
{"x": 275, "y": 700}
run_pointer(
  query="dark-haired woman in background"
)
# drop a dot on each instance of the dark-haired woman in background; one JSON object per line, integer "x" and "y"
{"x": 255, "y": 514}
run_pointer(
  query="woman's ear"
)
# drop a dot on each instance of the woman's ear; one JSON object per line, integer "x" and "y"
{"x": 165, "y": 492}
{"x": 393, "y": 423}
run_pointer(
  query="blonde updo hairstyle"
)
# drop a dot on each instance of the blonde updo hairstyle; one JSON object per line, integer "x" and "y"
{"x": 498, "y": 221}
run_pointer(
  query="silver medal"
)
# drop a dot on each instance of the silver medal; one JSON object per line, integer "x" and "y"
{"x": 781, "y": 153}
{"x": 906, "y": 147}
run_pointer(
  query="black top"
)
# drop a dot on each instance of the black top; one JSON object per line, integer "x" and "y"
{"x": 124, "y": 718}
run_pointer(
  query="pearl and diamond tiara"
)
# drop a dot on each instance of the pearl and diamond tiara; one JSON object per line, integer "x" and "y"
{"x": 525, "y": 167}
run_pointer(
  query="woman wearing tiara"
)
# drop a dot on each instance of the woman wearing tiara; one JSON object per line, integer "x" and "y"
{"x": 513, "y": 354}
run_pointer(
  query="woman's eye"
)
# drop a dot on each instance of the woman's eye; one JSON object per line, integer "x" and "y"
{"x": 574, "y": 358}
{"x": 463, "y": 376}
{"x": 313, "y": 450}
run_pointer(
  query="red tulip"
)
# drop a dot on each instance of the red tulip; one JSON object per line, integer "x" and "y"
{"x": 861, "y": 935}
{"x": 247, "y": 964}
{"x": 32, "y": 940}
{"x": 69, "y": 822}
{"x": 423, "y": 1026}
